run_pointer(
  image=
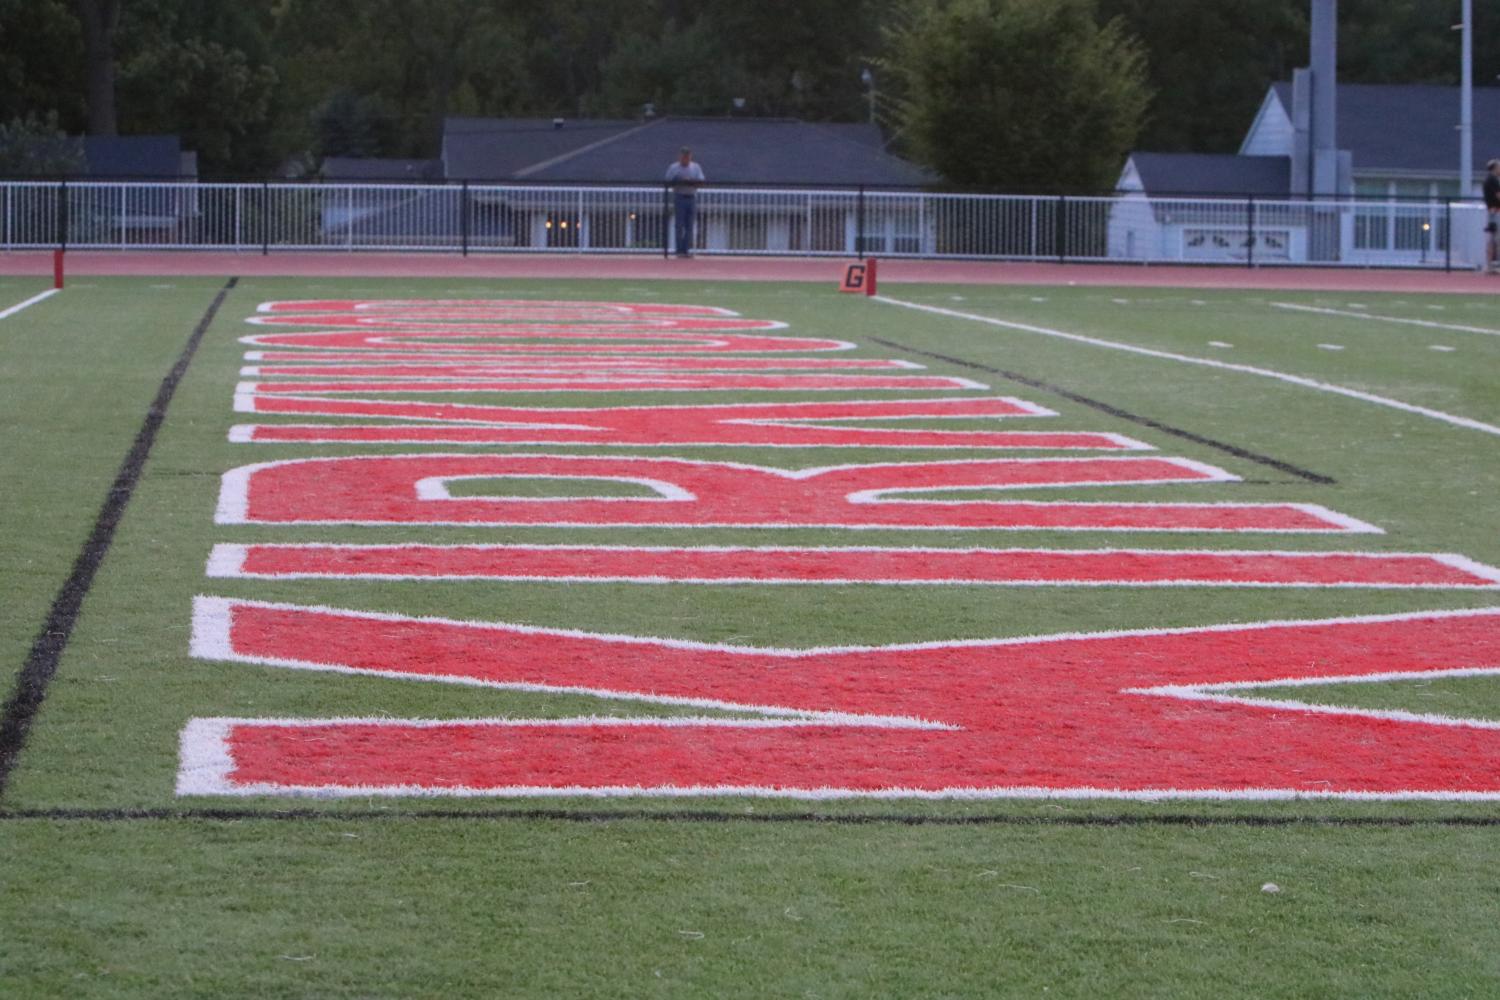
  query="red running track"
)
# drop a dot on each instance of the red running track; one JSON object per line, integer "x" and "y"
{"x": 892, "y": 271}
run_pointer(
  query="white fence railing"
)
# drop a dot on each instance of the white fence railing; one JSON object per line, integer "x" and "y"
{"x": 473, "y": 218}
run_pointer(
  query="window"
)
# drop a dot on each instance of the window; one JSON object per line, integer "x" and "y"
{"x": 562, "y": 230}
{"x": 1372, "y": 225}
{"x": 746, "y": 232}
{"x": 906, "y": 233}
{"x": 1413, "y": 227}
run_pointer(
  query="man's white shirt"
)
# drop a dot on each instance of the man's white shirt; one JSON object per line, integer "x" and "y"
{"x": 685, "y": 176}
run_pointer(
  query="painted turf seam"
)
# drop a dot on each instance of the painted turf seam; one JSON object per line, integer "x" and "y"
{"x": 1299, "y": 380}
{"x": 1115, "y": 411}
{"x": 591, "y": 816}
{"x": 47, "y": 649}
{"x": 7, "y": 313}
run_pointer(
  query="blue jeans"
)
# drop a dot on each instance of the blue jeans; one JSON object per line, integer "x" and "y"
{"x": 684, "y": 207}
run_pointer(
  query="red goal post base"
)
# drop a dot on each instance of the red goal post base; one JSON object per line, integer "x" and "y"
{"x": 859, "y": 277}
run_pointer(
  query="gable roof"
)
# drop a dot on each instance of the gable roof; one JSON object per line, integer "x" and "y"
{"x": 1212, "y": 174}
{"x": 1410, "y": 126}
{"x": 133, "y": 156}
{"x": 106, "y": 157}
{"x": 490, "y": 149}
{"x": 360, "y": 168}
{"x": 731, "y": 150}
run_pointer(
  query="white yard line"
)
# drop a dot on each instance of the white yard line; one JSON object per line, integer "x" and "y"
{"x": 1387, "y": 319}
{"x": 7, "y": 313}
{"x": 1308, "y": 383}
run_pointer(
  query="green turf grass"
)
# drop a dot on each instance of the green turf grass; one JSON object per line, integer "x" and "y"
{"x": 449, "y": 907}
{"x": 393, "y": 908}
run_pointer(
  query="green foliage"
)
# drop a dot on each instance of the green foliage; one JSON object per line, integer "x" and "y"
{"x": 566, "y": 44}
{"x": 41, "y": 61}
{"x": 1019, "y": 94}
{"x": 678, "y": 70}
{"x": 350, "y": 125}
{"x": 161, "y": 91}
{"x": 801, "y": 58}
{"x": 1210, "y": 64}
{"x": 37, "y": 147}
{"x": 781, "y": 57}
{"x": 1212, "y": 60}
{"x": 173, "y": 54}
{"x": 294, "y": 79}
{"x": 411, "y": 61}
{"x": 1409, "y": 41}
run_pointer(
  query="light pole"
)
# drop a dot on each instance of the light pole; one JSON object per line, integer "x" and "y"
{"x": 1466, "y": 102}
{"x": 868, "y": 79}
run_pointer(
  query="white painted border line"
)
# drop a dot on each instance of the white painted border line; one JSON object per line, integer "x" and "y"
{"x": 319, "y": 366}
{"x": 395, "y": 305}
{"x": 625, "y": 382}
{"x": 229, "y": 560}
{"x": 474, "y": 434}
{"x": 206, "y": 762}
{"x": 7, "y": 313}
{"x": 1349, "y": 314}
{"x": 1225, "y": 693}
{"x": 760, "y": 413}
{"x": 1308, "y": 383}
{"x": 212, "y": 639}
{"x": 235, "y": 486}
{"x": 210, "y": 636}
{"x": 205, "y": 766}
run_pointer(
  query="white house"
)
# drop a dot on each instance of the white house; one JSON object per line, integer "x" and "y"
{"x": 1396, "y": 193}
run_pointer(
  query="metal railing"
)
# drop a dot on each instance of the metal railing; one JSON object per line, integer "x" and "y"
{"x": 531, "y": 218}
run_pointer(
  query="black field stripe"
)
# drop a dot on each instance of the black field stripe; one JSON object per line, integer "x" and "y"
{"x": 1115, "y": 411}
{"x": 585, "y": 816}
{"x": 41, "y": 663}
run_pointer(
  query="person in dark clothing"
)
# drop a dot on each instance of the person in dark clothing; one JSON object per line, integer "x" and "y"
{"x": 1492, "y": 206}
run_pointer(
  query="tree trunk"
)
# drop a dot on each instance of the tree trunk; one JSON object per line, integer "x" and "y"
{"x": 99, "y": 19}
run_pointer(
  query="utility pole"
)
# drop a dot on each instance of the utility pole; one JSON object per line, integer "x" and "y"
{"x": 1466, "y": 104}
{"x": 1323, "y": 168}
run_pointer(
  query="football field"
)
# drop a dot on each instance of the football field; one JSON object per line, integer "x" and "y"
{"x": 463, "y": 637}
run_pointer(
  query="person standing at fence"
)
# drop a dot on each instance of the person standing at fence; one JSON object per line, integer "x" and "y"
{"x": 1492, "y": 206}
{"x": 686, "y": 177}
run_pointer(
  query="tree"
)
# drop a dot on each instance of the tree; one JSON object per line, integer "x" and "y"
{"x": 162, "y": 91}
{"x": 418, "y": 60}
{"x": 41, "y": 61}
{"x": 1413, "y": 41}
{"x": 681, "y": 71}
{"x": 1018, "y": 94}
{"x": 173, "y": 54}
{"x": 1210, "y": 62}
{"x": 802, "y": 57}
{"x": 566, "y": 47}
{"x": 799, "y": 58}
{"x": 350, "y": 125}
{"x": 33, "y": 146}
{"x": 100, "y": 18}
{"x": 1400, "y": 41}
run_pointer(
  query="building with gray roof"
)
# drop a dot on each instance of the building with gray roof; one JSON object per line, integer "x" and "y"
{"x": 732, "y": 150}
{"x": 1395, "y": 163}
{"x": 507, "y": 178}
